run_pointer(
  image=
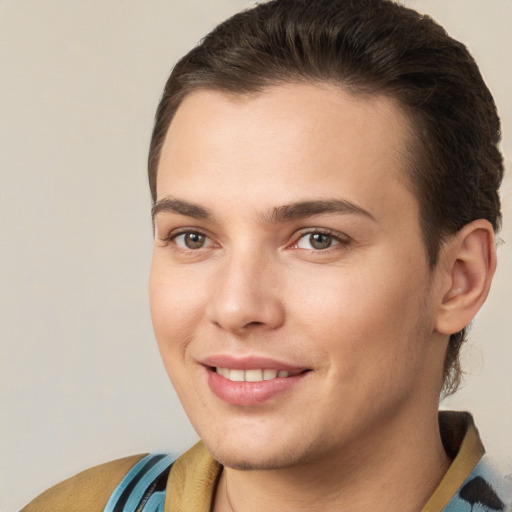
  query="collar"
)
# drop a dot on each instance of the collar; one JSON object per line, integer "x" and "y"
{"x": 462, "y": 444}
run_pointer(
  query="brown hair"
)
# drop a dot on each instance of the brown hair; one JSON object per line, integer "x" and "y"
{"x": 370, "y": 47}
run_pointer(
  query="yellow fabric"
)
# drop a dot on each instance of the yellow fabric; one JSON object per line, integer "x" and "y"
{"x": 192, "y": 482}
{"x": 193, "y": 478}
{"x": 88, "y": 491}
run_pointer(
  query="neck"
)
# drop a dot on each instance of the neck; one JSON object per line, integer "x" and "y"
{"x": 396, "y": 469}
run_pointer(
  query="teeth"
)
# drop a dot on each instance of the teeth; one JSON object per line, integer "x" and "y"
{"x": 236, "y": 375}
{"x": 252, "y": 375}
{"x": 224, "y": 372}
{"x": 269, "y": 374}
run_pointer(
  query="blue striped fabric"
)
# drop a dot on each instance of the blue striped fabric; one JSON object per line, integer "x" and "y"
{"x": 155, "y": 502}
{"x": 138, "y": 491}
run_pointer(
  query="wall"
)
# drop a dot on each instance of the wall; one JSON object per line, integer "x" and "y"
{"x": 81, "y": 379}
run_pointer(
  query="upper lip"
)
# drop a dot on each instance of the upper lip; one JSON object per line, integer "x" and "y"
{"x": 249, "y": 363}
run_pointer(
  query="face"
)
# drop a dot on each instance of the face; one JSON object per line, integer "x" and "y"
{"x": 290, "y": 291}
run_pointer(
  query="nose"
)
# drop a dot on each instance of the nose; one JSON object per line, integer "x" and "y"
{"x": 246, "y": 295}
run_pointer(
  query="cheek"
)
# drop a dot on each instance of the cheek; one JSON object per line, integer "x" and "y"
{"x": 174, "y": 314}
{"x": 369, "y": 335}
{"x": 176, "y": 307}
{"x": 362, "y": 316}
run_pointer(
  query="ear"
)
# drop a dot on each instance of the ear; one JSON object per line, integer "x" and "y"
{"x": 467, "y": 264}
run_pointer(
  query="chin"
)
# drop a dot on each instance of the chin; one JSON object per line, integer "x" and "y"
{"x": 268, "y": 456}
{"x": 254, "y": 462}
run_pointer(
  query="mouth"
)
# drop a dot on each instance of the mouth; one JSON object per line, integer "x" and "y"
{"x": 251, "y": 382}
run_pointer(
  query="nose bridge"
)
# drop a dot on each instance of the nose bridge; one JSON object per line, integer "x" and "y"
{"x": 246, "y": 291}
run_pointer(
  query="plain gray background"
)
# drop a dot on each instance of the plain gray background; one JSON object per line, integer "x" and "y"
{"x": 81, "y": 379}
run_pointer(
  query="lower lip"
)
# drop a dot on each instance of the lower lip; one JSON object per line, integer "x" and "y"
{"x": 250, "y": 393}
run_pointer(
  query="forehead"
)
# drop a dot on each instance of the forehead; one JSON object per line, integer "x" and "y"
{"x": 288, "y": 140}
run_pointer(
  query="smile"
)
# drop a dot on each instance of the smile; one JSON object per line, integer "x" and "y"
{"x": 253, "y": 375}
{"x": 252, "y": 386}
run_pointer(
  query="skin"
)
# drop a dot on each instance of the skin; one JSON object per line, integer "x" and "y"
{"x": 362, "y": 315}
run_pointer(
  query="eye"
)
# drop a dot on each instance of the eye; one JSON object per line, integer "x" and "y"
{"x": 191, "y": 240}
{"x": 318, "y": 241}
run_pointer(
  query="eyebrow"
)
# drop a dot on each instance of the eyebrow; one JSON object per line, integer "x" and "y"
{"x": 172, "y": 205}
{"x": 303, "y": 209}
{"x": 280, "y": 214}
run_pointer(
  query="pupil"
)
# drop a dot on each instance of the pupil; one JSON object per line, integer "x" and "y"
{"x": 194, "y": 240}
{"x": 320, "y": 241}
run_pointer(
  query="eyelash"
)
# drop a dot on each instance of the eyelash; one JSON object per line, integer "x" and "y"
{"x": 173, "y": 236}
{"x": 339, "y": 239}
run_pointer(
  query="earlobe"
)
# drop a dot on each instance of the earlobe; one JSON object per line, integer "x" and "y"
{"x": 469, "y": 262}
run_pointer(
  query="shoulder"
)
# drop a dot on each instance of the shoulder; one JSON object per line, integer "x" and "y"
{"x": 87, "y": 491}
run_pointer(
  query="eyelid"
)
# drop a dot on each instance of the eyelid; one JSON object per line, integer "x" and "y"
{"x": 169, "y": 234}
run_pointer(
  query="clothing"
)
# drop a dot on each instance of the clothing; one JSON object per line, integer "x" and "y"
{"x": 470, "y": 484}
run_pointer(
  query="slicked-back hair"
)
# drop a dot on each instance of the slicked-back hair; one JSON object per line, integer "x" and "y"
{"x": 367, "y": 47}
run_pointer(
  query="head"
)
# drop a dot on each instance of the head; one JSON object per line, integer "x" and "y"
{"x": 367, "y": 48}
